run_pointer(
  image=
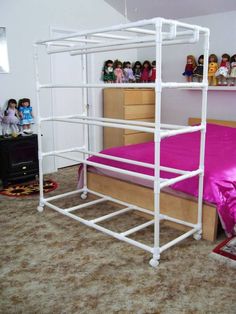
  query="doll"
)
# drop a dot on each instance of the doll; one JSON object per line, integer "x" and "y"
{"x": 152, "y": 77}
{"x": 233, "y": 70}
{"x": 118, "y": 71}
{"x": 10, "y": 119}
{"x": 198, "y": 71}
{"x": 26, "y": 115}
{"x": 145, "y": 74}
{"x": 137, "y": 70}
{"x": 108, "y": 75}
{"x": 212, "y": 68}
{"x": 128, "y": 72}
{"x": 189, "y": 68}
{"x": 223, "y": 72}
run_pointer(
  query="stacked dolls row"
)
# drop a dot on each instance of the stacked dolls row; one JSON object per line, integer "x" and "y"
{"x": 118, "y": 72}
{"x": 221, "y": 74}
{"x": 16, "y": 119}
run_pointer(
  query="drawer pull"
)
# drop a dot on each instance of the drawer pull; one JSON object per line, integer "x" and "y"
{"x": 24, "y": 167}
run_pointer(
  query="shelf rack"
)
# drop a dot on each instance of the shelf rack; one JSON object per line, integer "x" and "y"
{"x": 155, "y": 32}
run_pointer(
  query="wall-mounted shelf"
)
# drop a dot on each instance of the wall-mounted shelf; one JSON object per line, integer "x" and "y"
{"x": 215, "y": 88}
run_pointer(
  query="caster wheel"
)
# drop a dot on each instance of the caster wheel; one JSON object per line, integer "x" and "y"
{"x": 154, "y": 263}
{"x": 40, "y": 209}
{"x": 83, "y": 196}
{"x": 197, "y": 236}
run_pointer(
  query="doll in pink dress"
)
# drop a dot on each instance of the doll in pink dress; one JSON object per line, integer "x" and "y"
{"x": 118, "y": 71}
{"x": 223, "y": 72}
{"x": 152, "y": 77}
{"x": 128, "y": 72}
{"x": 146, "y": 71}
{"x": 11, "y": 119}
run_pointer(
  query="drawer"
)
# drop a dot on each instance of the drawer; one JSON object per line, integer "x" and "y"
{"x": 135, "y": 131}
{"x": 137, "y": 138}
{"x": 139, "y": 97}
{"x": 139, "y": 112}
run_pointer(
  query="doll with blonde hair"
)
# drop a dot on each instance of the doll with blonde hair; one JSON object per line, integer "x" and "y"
{"x": 212, "y": 69}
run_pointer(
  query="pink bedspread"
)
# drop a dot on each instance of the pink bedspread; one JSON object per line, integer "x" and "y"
{"x": 182, "y": 152}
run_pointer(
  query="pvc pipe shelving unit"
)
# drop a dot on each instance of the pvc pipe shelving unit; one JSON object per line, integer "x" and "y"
{"x": 159, "y": 32}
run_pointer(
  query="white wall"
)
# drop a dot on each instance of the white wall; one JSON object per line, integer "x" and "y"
{"x": 27, "y": 21}
{"x": 179, "y": 105}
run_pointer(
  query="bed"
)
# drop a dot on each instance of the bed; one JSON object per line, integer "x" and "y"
{"x": 180, "y": 201}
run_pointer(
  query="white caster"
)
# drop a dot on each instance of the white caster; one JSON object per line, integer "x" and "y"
{"x": 154, "y": 262}
{"x": 84, "y": 196}
{"x": 197, "y": 236}
{"x": 40, "y": 209}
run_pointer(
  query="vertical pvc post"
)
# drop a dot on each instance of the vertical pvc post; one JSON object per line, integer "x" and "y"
{"x": 203, "y": 133}
{"x": 85, "y": 113}
{"x": 157, "y": 140}
{"x": 41, "y": 196}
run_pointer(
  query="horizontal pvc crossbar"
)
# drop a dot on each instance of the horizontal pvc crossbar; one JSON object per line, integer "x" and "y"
{"x": 106, "y": 124}
{"x": 140, "y": 227}
{"x": 126, "y": 85}
{"x": 188, "y": 129}
{"x": 178, "y": 221}
{"x": 123, "y": 27}
{"x": 56, "y": 197}
{"x": 188, "y": 175}
{"x": 80, "y": 206}
{"x": 143, "y": 39}
{"x": 134, "y": 207}
{"x": 129, "y": 122}
{"x": 179, "y": 239}
{"x": 111, "y": 215}
{"x": 114, "y": 169}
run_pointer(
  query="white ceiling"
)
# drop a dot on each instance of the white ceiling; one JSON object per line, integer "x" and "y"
{"x": 172, "y": 9}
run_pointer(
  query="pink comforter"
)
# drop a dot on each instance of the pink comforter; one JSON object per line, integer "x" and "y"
{"x": 182, "y": 152}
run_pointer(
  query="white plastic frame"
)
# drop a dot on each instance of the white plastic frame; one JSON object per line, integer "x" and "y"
{"x": 84, "y": 43}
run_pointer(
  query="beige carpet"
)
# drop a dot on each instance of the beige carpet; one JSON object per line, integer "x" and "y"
{"x": 52, "y": 264}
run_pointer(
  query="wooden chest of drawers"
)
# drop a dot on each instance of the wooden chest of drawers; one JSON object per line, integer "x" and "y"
{"x": 127, "y": 104}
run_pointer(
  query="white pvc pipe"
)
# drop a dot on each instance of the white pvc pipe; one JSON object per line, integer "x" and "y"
{"x": 111, "y": 215}
{"x": 73, "y": 208}
{"x": 191, "y": 174}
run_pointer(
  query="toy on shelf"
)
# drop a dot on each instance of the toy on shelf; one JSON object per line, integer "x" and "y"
{"x": 189, "y": 68}
{"x": 10, "y": 119}
{"x": 223, "y": 72}
{"x": 128, "y": 72}
{"x": 108, "y": 75}
{"x": 26, "y": 115}
{"x": 233, "y": 70}
{"x": 137, "y": 70}
{"x": 152, "y": 76}
{"x": 198, "y": 71}
{"x": 118, "y": 71}
{"x": 212, "y": 68}
{"x": 145, "y": 73}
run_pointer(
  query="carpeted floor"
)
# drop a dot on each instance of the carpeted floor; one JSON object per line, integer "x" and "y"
{"x": 52, "y": 264}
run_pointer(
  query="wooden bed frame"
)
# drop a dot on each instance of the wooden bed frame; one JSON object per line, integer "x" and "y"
{"x": 177, "y": 206}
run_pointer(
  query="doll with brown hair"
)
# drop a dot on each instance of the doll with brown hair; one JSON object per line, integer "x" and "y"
{"x": 11, "y": 119}
{"x": 212, "y": 68}
{"x": 118, "y": 71}
{"x": 108, "y": 75}
{"x": 128, "y": 72}
{"x": 26, "y": 115}
{"x": 189, "y": 68}
{"x": 233, "y": 70}
{"x": 145, "y": 74}
{"x": 137, "y": 70}
{"x": 223, "y": 72}
{"x": 152, "y": 76}
{"x": 198, "y": 71}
